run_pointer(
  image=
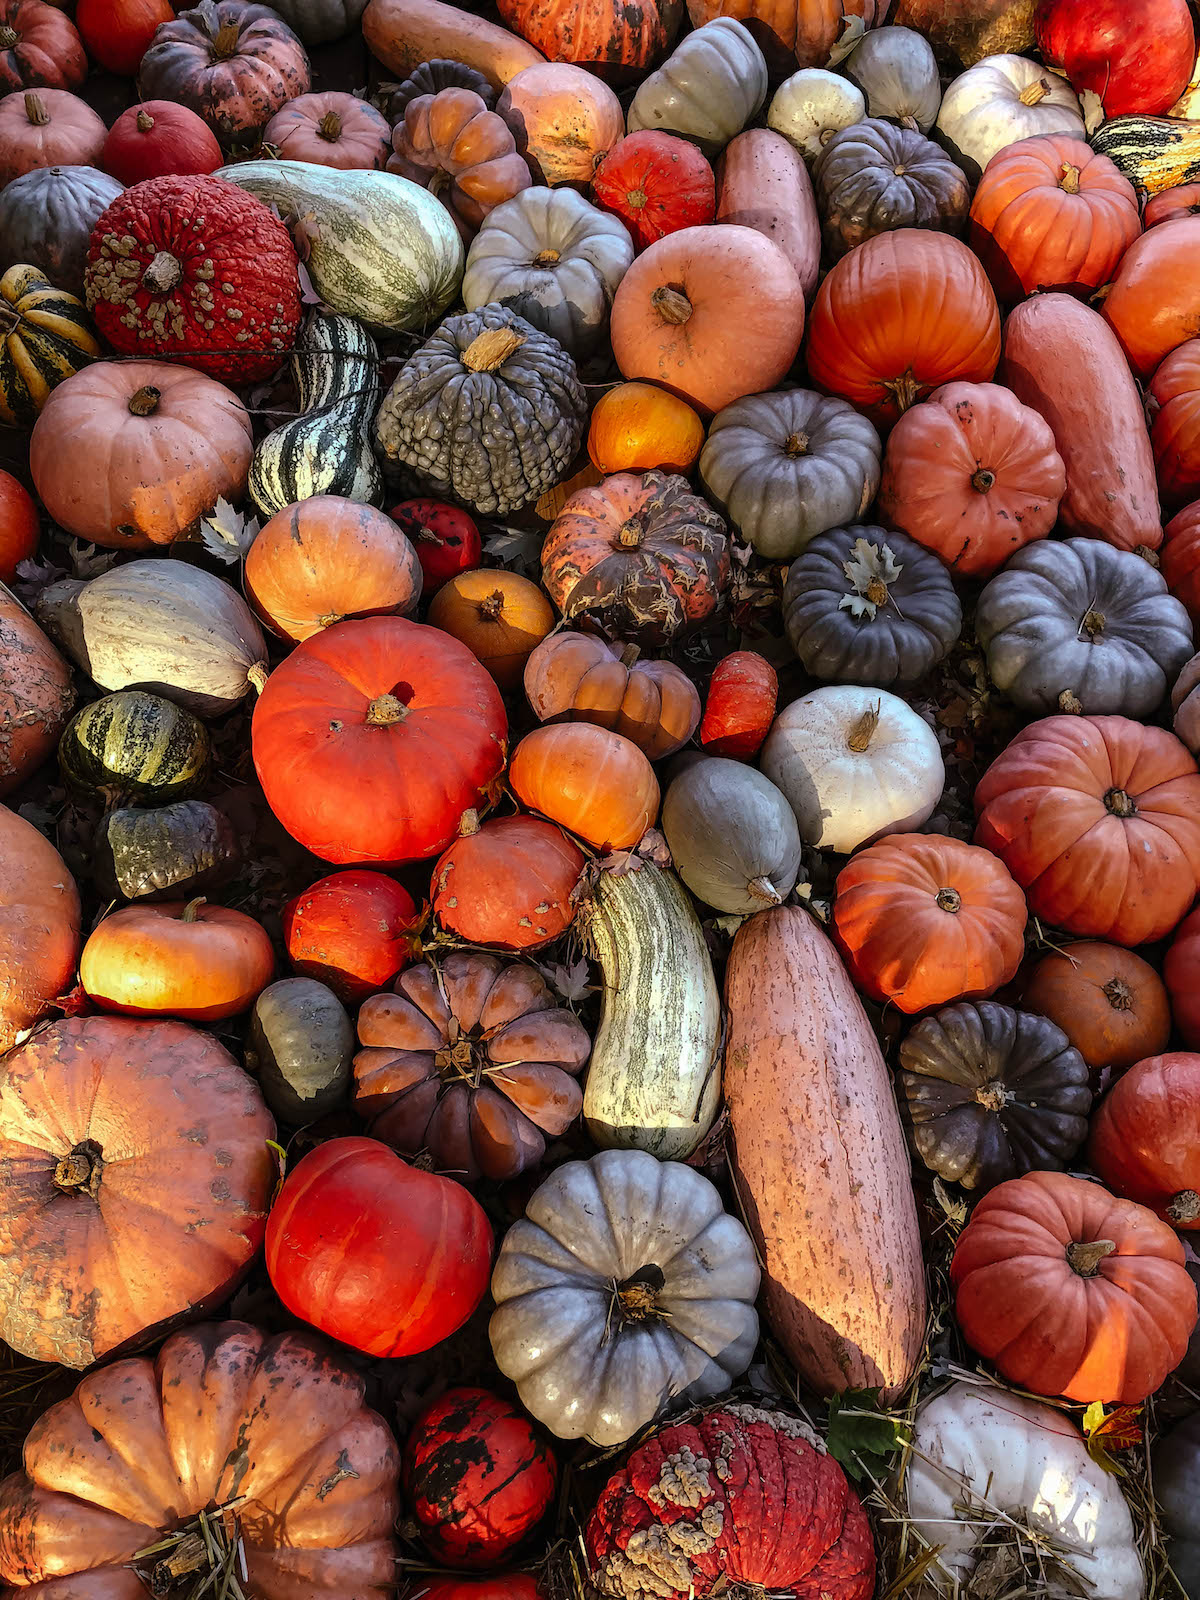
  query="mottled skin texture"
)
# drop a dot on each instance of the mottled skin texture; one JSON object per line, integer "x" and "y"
{"x": 48, "y": 50}
{"x": 46, "y": 220}
{"x": 39, "y": 926}
{"x": 36, "y": 694}
{"x": 873, "y": 177}
{"x": 615, "y": 34}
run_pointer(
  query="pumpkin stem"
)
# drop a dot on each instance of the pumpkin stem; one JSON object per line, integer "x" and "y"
{"x": 79, "y": 1171}
{"x": 993, "y": 1096}
{"x": 491, "y": 349}
{"x": 35, "y": 110}
{"x": 385, "y": 710}
{"x": 144, "y": 122}
{"x": 635, "y": 199}
{"x": 906, "y": 389}
{"x": 330, "y": 127}
{"x": 1034, "y": 92}
{"x": 163, "y": 273}
{"x": 1184, "y": 1207}
{"x": 1148, "y": 555}
{"x": 1120, "y": 804}
{"x": 225, "y": 41}
{"x": 630, "y": 535}
{"x": 1069, "y": 182}
{"x": 863, "y": 731}
{"x": 1084, "y": 1256}
{"x": 1119, "y": 995}
{"x": 636, "y": 1298}
{"x": 672, "y": 304}
{"x": 330, "y": 617}
{"x": 546, "y": 258}
{"x": 763, "y": 889}
{"x": 492, "y": 608}
{"x": 257, "y": 676}
{"x": 1093, "y": 623}
{"x": 9, "y": 38}
{"x": 629, "y": 654}
{"x": 189, "y": 1555}
{"x": 983, "y": 480}
{"x": 145, "y": 402}
{"x": 796, "y": 444}
{"x": 949, "y": 900}
{"x": 191, "y": 911}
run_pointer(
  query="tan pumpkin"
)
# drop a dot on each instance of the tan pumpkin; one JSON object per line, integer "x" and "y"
{"x": 576, "y": 677}
{"x": 36, "y": 694}
{"x": 330, "y": 130}
{"x": 593, "y": 782}
{"x": 565, "y": 120}
{"x": 47, "y": 128}
{"x": 39, "y": 926}
{"x": 498, "y": 615}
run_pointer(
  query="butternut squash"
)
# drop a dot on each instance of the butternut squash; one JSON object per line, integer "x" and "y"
{"x": 1062, "y": 358}
{"x": 819, "y": 1160}
{"x": 762, "y": 183}
{"x": 404, "y": 33}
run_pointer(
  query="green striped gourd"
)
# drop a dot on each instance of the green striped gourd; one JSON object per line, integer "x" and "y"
{"x": 135, "y": 746}
{"x": 45, "y": 336}
{"x": 1154, "y": 153}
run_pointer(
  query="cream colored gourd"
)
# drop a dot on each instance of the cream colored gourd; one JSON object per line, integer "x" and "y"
{"x": 811, "y": 106}
{"x": 654, "y": 1082}
{"x": 896, "y": 70}
{"x": 855, "y": 764}
{"x": 733, "y": 836}
{"x": 1002, "y": 99}
{"x": 624, "y": 1289}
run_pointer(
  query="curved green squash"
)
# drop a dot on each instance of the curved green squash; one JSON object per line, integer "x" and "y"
{"x": 135, "y": 746}
{"x": 1154, "y": 153}
{"x": 172, "y": 852}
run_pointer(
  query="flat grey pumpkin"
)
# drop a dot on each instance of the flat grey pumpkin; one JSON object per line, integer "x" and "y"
{"x": 1079, "y": 623}
{"x": 732, "y": 834}
{"x": 874, "y": 177}
{"x": 711, "y": 85}
{"x": 785, "y": 467}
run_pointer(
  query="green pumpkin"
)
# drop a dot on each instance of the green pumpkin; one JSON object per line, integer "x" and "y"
{"x": 300, "y": 1047}
{"x": 169, "y": 853}
{"x": 135, "y": 746}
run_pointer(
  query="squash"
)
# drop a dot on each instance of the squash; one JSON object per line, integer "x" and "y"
{"x": 299, "y": 1047}
{"x": 405, "y": 33}
{"x": 1111, "y": 1004}
{"x": 47, "y": 217}
{"x": 740, "y": 705}
{"x": 1185, "y": 705}
{"x": 654, "y": 1083}
{"x": 445, "y": 538}
{"x": 39, "y": 926}
{"x": 353, "y": 931}
{"x": 589, "y": 780}
{"x": 47, "y": 335}
{"x": 1062, "y": 359}
{"x": 1154, "y": 153}
{"x": 965, "y": 31}
{"x": 326, "y": 448}
{"x": 1180, "y": 200}
{"x": 637, "y": 427}
{"x": 999, "y": 101}
{"x": 39, "y": 46}
{"x": 875, "y": 177}
{"x": 577, "y": 677}
{"x": 614, "y": 38}
{"x": 1181, "y": 968}
{"x": 712, "y": 84}
{"x": 807, "y": 33}
{"x": 320, "y": 21}
{"x": 36, "y": 694}
{"x": 819, "y": 1160}
{"x": 1181, "y": 559}
{"x": 809, "y": 108}
{"x": 565, "y": 121}
{"x": 656, "y": 183}
{"x": 762, "y": 183}
{"x": 895, "y": 68}
{"x": 173, "y": 852}
{"x": 379, "y": 248}
{"x": 135, "y": 746}
{"x": 500, "y": 616}
{"x": 733, "y": 836}
{"x": 1153, "y": 302}
{"x": 514, "y": 883}
{"x": 47, "y": 128}
{"x": 451, "y": 144}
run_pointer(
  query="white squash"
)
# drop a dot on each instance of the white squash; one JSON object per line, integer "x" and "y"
{"x": 1002, "y": 99}
{"x": 979, "y": 1449}
{"x": 811, "y": 106}
{"x": 733, "y": 836}
{"x": 855, "y": 764}
{"x": 896, "y": 70}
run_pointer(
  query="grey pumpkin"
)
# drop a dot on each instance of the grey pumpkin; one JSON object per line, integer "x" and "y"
{"x": 172, "y": 852}
{"x": 863, "y": 605}
{"x": 1176, "y": 1462}
{"x": 711, "y": 85}
{"x": 47, "y": 217}
{"x": 732, "y": 834}
{"x": 785, "y": 467}
{"x": 431, "y": 77}
{"x": 874, "y": 177}
{"x": 320, "y": 21}
{"x": 300, "y": 1047}
{"x": 1079, "y": 623}
{"x": 897, "y": 72}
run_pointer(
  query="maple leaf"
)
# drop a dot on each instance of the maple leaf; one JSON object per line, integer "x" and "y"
{"x": 869, "y": 569}
{"x": 87, "y": 561}
{"x": 228, "y": 534}
{"x": 308, "y": 295}
{"x": 1108, "y": 1431}
{"x": 858, "y": 1428}
{"x": 518, "y": 549}
{"x": 570, "y": 980}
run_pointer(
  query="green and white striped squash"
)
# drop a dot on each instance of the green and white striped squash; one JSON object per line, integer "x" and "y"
{"x": 376, "y": 246}
{"x": 1154, "y": 153}
{"x": 135, "y": 746}
{"x": 327, "y": 448}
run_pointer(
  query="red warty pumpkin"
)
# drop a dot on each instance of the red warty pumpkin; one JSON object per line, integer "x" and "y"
{"x": 1181, "y": 974}
{"x": 1145, "y": 1141}
{"x": 353, "y": 931}
{"x": 656, "y": 183}
{"x": 514, "y": 883}
{"x": 159, "y": 140}
{"x": 740, "y": 707}
{"x": 445, "y": 538}
{"x": 1174, "y": 406}
{"x": 1180, "y": 556}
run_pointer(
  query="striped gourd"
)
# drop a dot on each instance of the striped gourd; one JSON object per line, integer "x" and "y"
{"x": 654, "y": 1082}
{"x": 135, "y": 746}
{"x": 45, "y": 336}
{"x": 376, "y": 246}
{"x": 1154, "y": 153}
{"x": 327, "y": 448}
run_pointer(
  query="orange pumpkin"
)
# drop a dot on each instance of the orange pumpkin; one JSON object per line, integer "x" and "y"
{"x": 196, "y": 961}
{"x": 18, "y": 526}
{"x": 710, "y": 313}
{"x": 1181, "y": 974}
{"x": 576, "y": 677}
{"x": 1180, "y": 558}
{"x": 636, "y": 427}
{"x": 900, "y": 315}
{"x": 1173, "y": 404}
{"x": 36, "y": 694}
{"x": 1153, "y": 305}
{"x": 498, "y": 615}
{"x": 593, "y": 782}
{"x": 1110, "y": 1003}
{"x": 808, "y": 33}
{"x": 564, "y": 120}
{"x": 325, "y": 559}
{"x": 1171, "y": 204}
{"x": 1145, "y": 1140}
{"x": 514, "y": 883}
{"x": 39, "y": 926}
{"x": 606, "y": 33}
{"x": 453, "y": 145}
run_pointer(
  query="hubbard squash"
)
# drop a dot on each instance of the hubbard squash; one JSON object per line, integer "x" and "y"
{"x": 762, "y": 183}
{"x": 819, "y": 1160}
{"x": 404, "y": 33}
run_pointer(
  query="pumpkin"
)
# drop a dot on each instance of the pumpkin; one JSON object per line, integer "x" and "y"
{"x": 1111, "y": 1004}
{"x": 896, "y": 70}
{"x": 121, "y": 1222}
{"x": 500, "y": 617}
{"x": 169, "y": 853}
{"x": 625, "y": 1287}
{"x": 1179, "y": 975}
{"x": 1072, "y": 1292}
{"x": 1183, "y": 200}
{"x": 275, "y": 1425}
{"x": 514, "y": 883}
{"x": 445, "y": 538}
{"x": 1185, "y": 704}
{"x": 1173, "y": 405}
{"x": 565, "y": 120}
{"x": 165, "y": 625}
{"x": 874, "y": 177}
{"x": 588, "y": 779}
{"x": 39, "y": 927}
{"x": 471, "y": 1061}
{"x": 611, "y": 36}
{"x": 828, "y": 1198}
{"x": 811, "y": 106}
{"x": 325, "y": 559}
{"x": 404, "y": 34}
{"x": 232, "y": 62}
{"x": 330, "y": 130}
{"x": 1097, "y": 820}
{"x": 786, "y": 467}
{"x": 173, "y": 442}
{"x": 923, "y": 920}
{"x": 157, "y": 139}
{"x": 1061, "y": 360}
{"x": 47, "y": 337}
{"x": 39, "y": 48}
{"x": 117, "y": 33}
{"x": 810, "y": 32}
{"x": 47, "y": 217}
{"x": 740, "y": 706}
{"x": 656, "y": 184}
{"x": 730, "y": 1526}
{"x": 19, "y": 526}
{"x": 1174, "y": 1467}
{"x": 762, "y": 183}
{"x": 299, "y": 1047}
{"x": 710, "y": 314}
{"x": 999, "y": 101}
{"x": 862, "y": 605}
{"x": 437, "y": 416}
{"x": 135, "y": 746}
{"x": 353, "y": 931}
{"x": 497, "y": 1586}
{"x": 431, "y": 77}
{"x": 36, "y": 694}
{"x": 732, "y": 835}
{"x": 386, "y": 1258}
{"x": 636, "y": 427}
{"x": 1144, "y": 1137}
{"x": 1089, "y": 44}
{"x": 1152, "y": 304}
{"x": 576, "y": 677}
{"x": 643, "y": 555}
{"x": 451, "y": 144}
{"x": 1181, "y": 558}
{"x": 554, "y": 260}
{"x": 713, "y": 84}
{"x": 45, "y": 129}
{"x": 855, "y": 764}
{"x": 972, "y": 475}
{"x": 478, "y": 1477}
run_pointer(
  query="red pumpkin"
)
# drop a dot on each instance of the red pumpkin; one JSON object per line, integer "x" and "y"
{"x": 496, "y": 1586}
{"x": 353, "y": 931}
{"x": 446, "y": 540}
{"x": 375, "y": 1252}
{"x": 1174, "y": 406}
{"x": 39, "y": 48}
{"x": 375, "y": 739}
{"x": 1145, "y": 1139}
{"x": 478, "y": 1477}
{"x": 608, "y": 35}
{"x": 1135, "y": 54}
{"x": 513, "y": 884}
{"x": 118, "y": 33}
{"x": 331, "y": 130}
{"x": 1153, "y": 305}
{"x": 1180, "y": 557}
{"x": 1181, "y": 974}
{"x": 47, "y": 128}
{"x": 740, "y": 707}
{"x": 159, "y": 140}
{"x": 1072, "y": 1292}
{"x": 1168, "y": 205}
{"x": 656, "y": 183}
{"x": 1098, "y": 819}
{"x": 18, "y": 526}
{"x": 897, "y": 317}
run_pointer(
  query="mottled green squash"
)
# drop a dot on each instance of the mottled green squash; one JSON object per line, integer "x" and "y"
{"x": 172, "y": 852}
{"x": 300, "y": 1047}
{"x": 135, "y": 746}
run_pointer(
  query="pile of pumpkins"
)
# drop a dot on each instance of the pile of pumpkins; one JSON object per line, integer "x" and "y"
{"x": 638, "y": 973}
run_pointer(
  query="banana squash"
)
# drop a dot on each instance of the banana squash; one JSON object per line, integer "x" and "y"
{"x": 1154, "y": 153}
{"x": 654, "y": 1083}
{"x": 45, "y": 336}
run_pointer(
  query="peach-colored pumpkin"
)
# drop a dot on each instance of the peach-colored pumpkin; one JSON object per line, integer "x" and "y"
{"x": 565, "y": 120}
{"x": 36, "y": 694}
{"x": 39, "y": 926}
{"x": 587, "y": 779}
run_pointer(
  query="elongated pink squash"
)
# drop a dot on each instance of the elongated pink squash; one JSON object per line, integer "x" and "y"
{"x": 403, "y": 33}
{"x": 762, "y": 183}
{"x": 1063, "y": 359}
{"x": 820, "y": 1161}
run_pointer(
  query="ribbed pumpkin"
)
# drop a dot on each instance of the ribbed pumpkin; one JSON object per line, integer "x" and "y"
{"x": 576, "y": 677}
{"x": 656, "y": 183}
{"x": 515, "y": 883}
{"x": 353, "y": 931}
{"x": 808, "y": 33}
{"x": 45, "y": 336}
{"x": 451, "y": 144}
{"x": 1180, "y": 557}
{"x": 499, "y": 616}
{"x": 593, "y": 782}
{"x": 637, "y": 426}
{"x": 1173, "y": 403}
{"x": 36, "y": 694}
{"x": 1145, "y": 1142}
{"x": 1110, "y": 1003}
{"x": 1153, "y": 305}
{"x": 330, "y": 130}
{"x": 39, "y": 45}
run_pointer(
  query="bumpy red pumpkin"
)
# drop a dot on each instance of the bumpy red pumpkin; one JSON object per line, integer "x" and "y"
{"x": 513, "y": 883}
{"x": 1145, "y": 1141}
{"x": 740, "y": 1497}
{"x": 445, "y": 538}
{"x": 477, "y": 1476}
{"x": 209, "y": 279}
{"x": 353, "y": 931}
{"x": 656, "y": 183}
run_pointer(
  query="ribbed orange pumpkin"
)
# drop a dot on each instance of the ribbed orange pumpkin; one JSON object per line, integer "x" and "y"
{"x": 637, "y": 426}
{"x": 1153, "y": 305}
{"x": 576, "y": 677}
{"x": 1180, "y": 558}
{"x": 593, "y": 782}
{"x": 498, "y": 615}
{"x": 513, "y": 883}
{"x": 1174, "y": 405}
{"x": 1110, "y": 1003}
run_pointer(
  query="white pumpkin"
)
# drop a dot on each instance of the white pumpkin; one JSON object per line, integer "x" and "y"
{"x": 1002, "y": 99}
{"x": 854, "y": 764}
{"x": 896, "y": 70}
{"x": 626, "y": 1289}
{"x": 811, "y": 106}
{"x": 978, "y": 1450}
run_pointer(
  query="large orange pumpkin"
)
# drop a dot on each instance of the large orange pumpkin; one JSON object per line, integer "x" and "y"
{"x": 1153, "y": 305}
{"x": 1145, "y": 1140}
{"x": 515, "y": 883}
{"x": 608, "y": 35}
{"x": 576, "y": 677}
{"x": 39, "y": 926}
{"x": 637, "y": 426}
{"x": 808, "y": 33}
{"x": 1111, "y": 1004}
{"x": 36, "y": 694}
{"x": 900, "y": 315}
{"x": 498, "y": 615}
{"x": 564, "y": 120}
{"x": 1174, "y": 407}
{"x": 593, "y": 782}
{"x": 1180, "y": 557}
{"x": 19, "y": 525}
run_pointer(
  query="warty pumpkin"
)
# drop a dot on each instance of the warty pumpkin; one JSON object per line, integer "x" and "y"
{"x": 577, "y": 677}
{"x": 740, "y": 705}
{"x": 353, "y": 931}
{"x": 1153, "y": 304}
{"x": 156, "y": 139}
{"x": 1173, "y": 406}
{"x": 500, "y": 616}
{"x": 451, "y": 144}
{"x": 1110, "y": 1003}
{"x": 39, "y": 47}
{"x": 1146, "y": 1135}
{"x": 19, "y": 526}
{"x": 656, "y": 183}
{"x": 514, "y": 883}
{"x": 46, "y": 128}
{"x": 590, "y": 780}
{"x": 36, "y": 694}
{"x": 39, "y": 926}
{"x": 45, "y": 336}
{"x": 636, "y": 427}
{"x": 330, "y": 130}
{"x": 135, "y": 746}
{"x": 565, "y": 120}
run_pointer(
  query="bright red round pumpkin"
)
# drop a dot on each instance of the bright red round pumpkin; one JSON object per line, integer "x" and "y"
{"x": 374, "y": 1252}
{"x": 158, "y": 139}
{"x": 740, "y": 707}
{"x": 478, "y": 1477}
{"x": 513, "y": 884}
{"x": 1145, "y": 1140}
{"x": 353, "y": 931}
{"x": 1135, "y": 54}
{"x": 1181, "y": 974}
{"x": 496, "y": 1586}
{"x": 1180, "y": 558}
{"x": 117, "y": 33}
{"x": 445, "y": 538}
{"x": 1153, "y": 305}
{"x": 1174, "y": 405}
{"x": 18, "y": 526}
{"x": 656, "y": 183}
{"x": 377, "y": 740}
{"x": 1171, "y": 204}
